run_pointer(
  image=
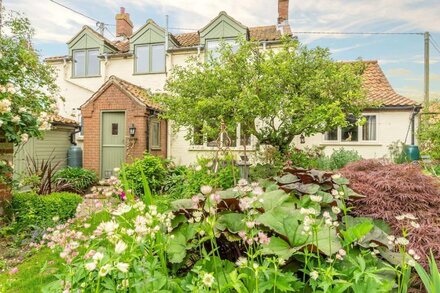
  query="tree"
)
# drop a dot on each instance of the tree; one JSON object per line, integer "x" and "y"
{"x": 274, "y": 94}
{"x": 27, "y": 86}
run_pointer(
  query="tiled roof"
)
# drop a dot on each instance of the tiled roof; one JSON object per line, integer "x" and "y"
{"x": 379, "y": 89}
{"x": 258, "y": 33}
{"x": 188, "y": 39}
{"x": 268, "y": 33}
{"x": 136, "y": 91}
{"x": 58, "y": 119}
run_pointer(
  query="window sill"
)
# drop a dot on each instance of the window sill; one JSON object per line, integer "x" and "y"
{"x": 150, "y": 73}
{"x": 79, "y": 77}
{"x": 156, "y": 149}
{"x": 207, "y": 148}
{"x": 81, "y": 138}
{"x": 362, "y": 143}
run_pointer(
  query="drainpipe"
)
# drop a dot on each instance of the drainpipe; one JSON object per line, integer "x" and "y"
{"x": 73, "y": 134}
{"x": 413, "y": 128}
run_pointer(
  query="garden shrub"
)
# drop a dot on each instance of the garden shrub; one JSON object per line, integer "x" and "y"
{"x": 280, "y": 242}
{"x": 187, "y": 181}
{"x": 154, "y": 169}
{"x": 78, "y": 179}
{"x": 263, "y": 171}
{"x": 32, "y": 211}
{"x": 393, "y": 190}
{"x": 429, "y": 132}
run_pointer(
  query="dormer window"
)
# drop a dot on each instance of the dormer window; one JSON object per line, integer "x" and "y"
{"x": 213, "y": 46}
{"x": 86, "y": 63}
{"x": 149, "y": 58}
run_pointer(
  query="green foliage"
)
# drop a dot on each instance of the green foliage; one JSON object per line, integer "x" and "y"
{"x": 396, "y": 152}
{"x": 32, "y": 211}
{"x": 263, "y": 171}
{"x": 188, "y": 180}
{"x": 257, "y": 86}
{"x": 429, "y": 131}
{"x": 77, "y": 178}
{"x": 338, "y": 159}
{"x": 430, "y": 280}
{"x": 155, "y": 170}
{"x": 27, "y": 85}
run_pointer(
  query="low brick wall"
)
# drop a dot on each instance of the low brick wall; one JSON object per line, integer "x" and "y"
{"x": 6, "y": 153}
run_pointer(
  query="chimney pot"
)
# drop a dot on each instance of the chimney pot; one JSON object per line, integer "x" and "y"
{"x": 283, "y": 11}
{"x": 124, "y": 25}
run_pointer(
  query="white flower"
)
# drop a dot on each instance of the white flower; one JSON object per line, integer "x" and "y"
{"x": 402, "y": 241}
{"x": 411, "y": 262}
{"x": 90, "y": 266}
{"x": 122, "y": 267}
{"x": 110, "y": 227}
{"x": 336, "y": 176}
{"x": 120, "y": 247}
{"x": 198, "y": 168}
{"x": 22, "y": 110}
{"x": 103, "y": 271}
{"x": 98, "y": 256}
{"x": 241, "y": 262}
{"x": 116, "y": 170}
{"x": 122, "y": 209}
{"x": 56, "y": 218}
{"x": 335, "y": 192}
{"x": 242, "y": 182}
{"x": 411, "y": 252}
{"x": 336, "y": 210}
{"x": 316, "y": 198}
{"x": 415, "y": 224}
{"x": 15, "y": 119}
{"x": 314, "y": 275}
{"x": 24, "y": 138}
{"x": 206, "y": 189}
{"x": 208, "y": 279}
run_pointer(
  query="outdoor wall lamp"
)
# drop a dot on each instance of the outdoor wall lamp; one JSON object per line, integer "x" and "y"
{"x": 302, "y": 139}
{"x": 132, "y": 130}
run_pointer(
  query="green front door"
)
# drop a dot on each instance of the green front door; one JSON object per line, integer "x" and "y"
{"x": 113, "y": 142}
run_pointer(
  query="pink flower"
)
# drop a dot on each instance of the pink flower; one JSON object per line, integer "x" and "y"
{"x": 215, "y": 197}
{"x": 13, "y": 271}
{"x": 263, "y": 238}
{"x": 242, "y": 234}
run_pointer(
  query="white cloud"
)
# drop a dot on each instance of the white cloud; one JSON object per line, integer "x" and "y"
{"x": 52, "y": 23}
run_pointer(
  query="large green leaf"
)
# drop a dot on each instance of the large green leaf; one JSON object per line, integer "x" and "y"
{"x": 234, "y": 222}
{"x": 228, "y": 193}
{"x": 273, "y": 199}
{"x": 356, "y": 232}
{"x": 287, "y": 225}
{"x": 287, "y": 179}
{"x": 328, "y": 241}
{"x": 279, "y": 247}
{"x": 181, "y": 243}
{"x": 185, "y": 204}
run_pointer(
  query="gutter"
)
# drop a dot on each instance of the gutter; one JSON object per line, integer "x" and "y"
{"x": 413, "y": 122}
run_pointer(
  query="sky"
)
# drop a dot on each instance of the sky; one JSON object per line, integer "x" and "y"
{"x": 400, "y": 56}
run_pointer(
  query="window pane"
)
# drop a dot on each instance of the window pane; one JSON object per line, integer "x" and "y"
{"x": 350, "y": 133}
{"x": 369, "y": 128}
{"x": 197, "y": 136}
{"x": 155, "y": 135}
{"x": 142, "y": 59}
{"x": 93, "y": 63}
{"x": 245, "y": 136}
{"x": 212, "y": 47}
{"x": 158, "y": 58}
{"x": 331, "y": 135}
{"x": 79, "y": 63}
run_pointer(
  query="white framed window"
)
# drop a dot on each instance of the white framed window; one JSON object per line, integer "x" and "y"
{"x": 155, "y": 134}
{"x": 86, "y": 63}
{"x": 213, "y": 46}
{"x": 239, "y": 138}
{"x": 149, "y": 58}
{"x": 354, "y": 133}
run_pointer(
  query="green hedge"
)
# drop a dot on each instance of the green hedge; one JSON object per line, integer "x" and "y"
{"x": 34, "y": 211}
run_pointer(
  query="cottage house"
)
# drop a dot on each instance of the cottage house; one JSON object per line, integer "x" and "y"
{"x": 105, "y": 83}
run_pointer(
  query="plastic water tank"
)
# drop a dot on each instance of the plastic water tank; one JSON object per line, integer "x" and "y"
{"x": 411, "y": 152}
{"x": 74, "y": 156}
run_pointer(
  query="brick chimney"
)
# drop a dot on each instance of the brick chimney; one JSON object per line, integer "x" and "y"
{"x": 283, "y": 11}
{"x": 124, "y": 26}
